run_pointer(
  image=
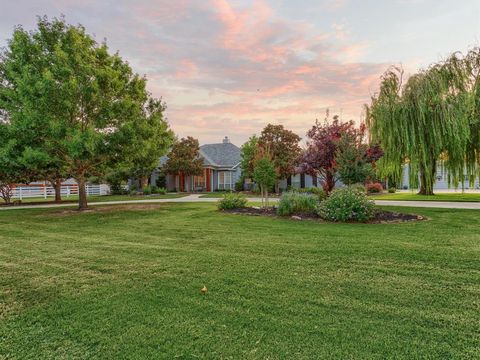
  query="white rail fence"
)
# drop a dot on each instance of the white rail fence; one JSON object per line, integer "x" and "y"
{"x": 41, "y": 191}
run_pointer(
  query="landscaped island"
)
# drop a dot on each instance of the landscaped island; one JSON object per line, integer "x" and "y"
{"x": 349, "y": 204}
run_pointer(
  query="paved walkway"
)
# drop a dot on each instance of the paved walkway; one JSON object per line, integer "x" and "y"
{"x": 198, "y": 198}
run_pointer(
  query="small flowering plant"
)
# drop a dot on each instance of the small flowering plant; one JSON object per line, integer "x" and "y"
{"x": 347, "y": 205}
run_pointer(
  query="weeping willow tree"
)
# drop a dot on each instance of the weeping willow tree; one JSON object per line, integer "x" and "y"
{"x": 432, "y": 118}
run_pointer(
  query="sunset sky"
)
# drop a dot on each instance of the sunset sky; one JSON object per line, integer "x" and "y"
{"x": 231, "y": 67}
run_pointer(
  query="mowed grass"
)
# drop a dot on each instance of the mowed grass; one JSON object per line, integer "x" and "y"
{"x": 465, "y": 197}
{"x": 102, "y": 198}
{"x": 124, "y": 284}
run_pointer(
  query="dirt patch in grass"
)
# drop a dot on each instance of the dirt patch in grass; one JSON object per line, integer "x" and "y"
{"x": 381, "y": 216}
{"x": 106, "y": 208}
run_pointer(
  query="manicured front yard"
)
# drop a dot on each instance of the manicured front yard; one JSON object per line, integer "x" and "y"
{"x": 437, "y": 197}
{"x": 121, "y": 284}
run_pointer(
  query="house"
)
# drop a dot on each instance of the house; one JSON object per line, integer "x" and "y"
{"x": 221, "y": 169}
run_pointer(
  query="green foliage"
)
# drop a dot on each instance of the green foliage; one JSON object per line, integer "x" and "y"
{"x": 82, "y": 110}
{"x": 292, "y": 202}
{"x": 232, "y": 201}
{"x": 352, "y": 163}
{"x": 161, "y": 181}
{"x": 184, "y": 158}
{"x": 248, "y": 153}
{"x": 161, "y": 191}
{"x": 374, "y": 188}
{"x": 392, "y": 190}
{"x": 239, "y": 184}
{"x": 265, "y": 176}
{"x": 347, "y": 204}
{"x": 358, "y": 187}
{"x": 147, "y": 190}
{"x": 312, "y": 190}
{"x": 282, "y": 147}
{"x": 434, "y": 116}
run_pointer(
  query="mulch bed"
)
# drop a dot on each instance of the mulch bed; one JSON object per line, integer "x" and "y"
{"x": 381, "y": 216}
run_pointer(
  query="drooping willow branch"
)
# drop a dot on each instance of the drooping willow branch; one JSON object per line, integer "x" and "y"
{"x": 432, "y": 117}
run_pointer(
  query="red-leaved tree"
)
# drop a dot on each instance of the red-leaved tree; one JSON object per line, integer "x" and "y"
{"x": 319, "y": 158}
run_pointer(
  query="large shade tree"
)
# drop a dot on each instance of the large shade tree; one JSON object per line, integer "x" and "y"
{"x": 80, "y": 100}
{"x": 433, "y": 117}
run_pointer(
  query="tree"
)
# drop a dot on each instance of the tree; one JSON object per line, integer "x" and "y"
{"x": 355, "y": 160}
{"x": 282, "y": 145}
{"x": 151, "y": 138}
{"x": 319, "y": 157}
{"x": 81, "y": 99}
{"x": 432, "y": 117}
{"x": 184, "y": 159}
{"x": 11, "y": 169}
{"x": 249, "y": 150}
{"x": 264, "y": 175}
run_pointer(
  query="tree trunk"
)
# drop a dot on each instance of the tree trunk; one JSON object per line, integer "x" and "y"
{"x": 143, "y": 182}
{"x": 82, "y": 194}
{"x": 277, "y": 186}
{"x": 57, "y": 186}
{"x": 329, "y": 183}
{"x": 424, "y": 178}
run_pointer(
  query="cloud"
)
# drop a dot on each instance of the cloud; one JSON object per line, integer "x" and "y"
{"x": 227, "y": 69}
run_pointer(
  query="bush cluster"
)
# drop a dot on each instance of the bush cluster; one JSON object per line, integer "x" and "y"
{"x": 232, "y": 201}
{"x": 374, "y": 188}
{"x": 293, "y": 202}
{"x": 392, "y": 190}
{"x": 152, "y": 189}
{"x": 358, "y": 187}
{"x": 314, "y": 191}
{"x": 347, "y": 205}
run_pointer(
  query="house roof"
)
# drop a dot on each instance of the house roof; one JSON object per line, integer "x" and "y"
{"x": 220, "y": 155}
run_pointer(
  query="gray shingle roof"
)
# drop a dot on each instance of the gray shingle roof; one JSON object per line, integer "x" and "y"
{"x": 220, "y": 155}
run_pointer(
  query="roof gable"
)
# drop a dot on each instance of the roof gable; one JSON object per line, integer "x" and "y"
{"x": 220, "y": 155}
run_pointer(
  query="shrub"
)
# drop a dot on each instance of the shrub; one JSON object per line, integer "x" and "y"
{"x": 374, "y": 188}
{"x": 392, "y": 190}
{"x": 154, "y": 189}
{"x": 313, "y": 191}
{"x": 147, "y": 190}
{"x": 358, "y": 187}
{"x": 347, "y": 205}
{"x": 293, "y": 202}
{"x": 239, "y": 185}
{"x": 232, "y": 201}
{"x": 118, "y": 189}
{"x": 161, "y": 191}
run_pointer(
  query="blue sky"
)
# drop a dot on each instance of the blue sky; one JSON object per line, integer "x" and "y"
{"x": 231, "y": 67}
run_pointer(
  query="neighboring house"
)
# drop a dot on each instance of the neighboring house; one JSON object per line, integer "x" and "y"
{"x": 441, "y": 182}
{"x": 221, "y": 169}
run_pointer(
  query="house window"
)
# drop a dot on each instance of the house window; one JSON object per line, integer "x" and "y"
{"x": 199, "y": 182}
{"x": 224, "y": 180}
{"x": 296, "y": 181}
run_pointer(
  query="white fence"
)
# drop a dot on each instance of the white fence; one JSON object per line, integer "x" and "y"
{"x": 41, "y": 191}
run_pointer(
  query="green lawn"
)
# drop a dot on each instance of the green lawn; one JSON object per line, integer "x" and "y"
{"x": 438, "y": 197}
{"x": 98, "y": 198}
{"x": 124, "y": 284}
